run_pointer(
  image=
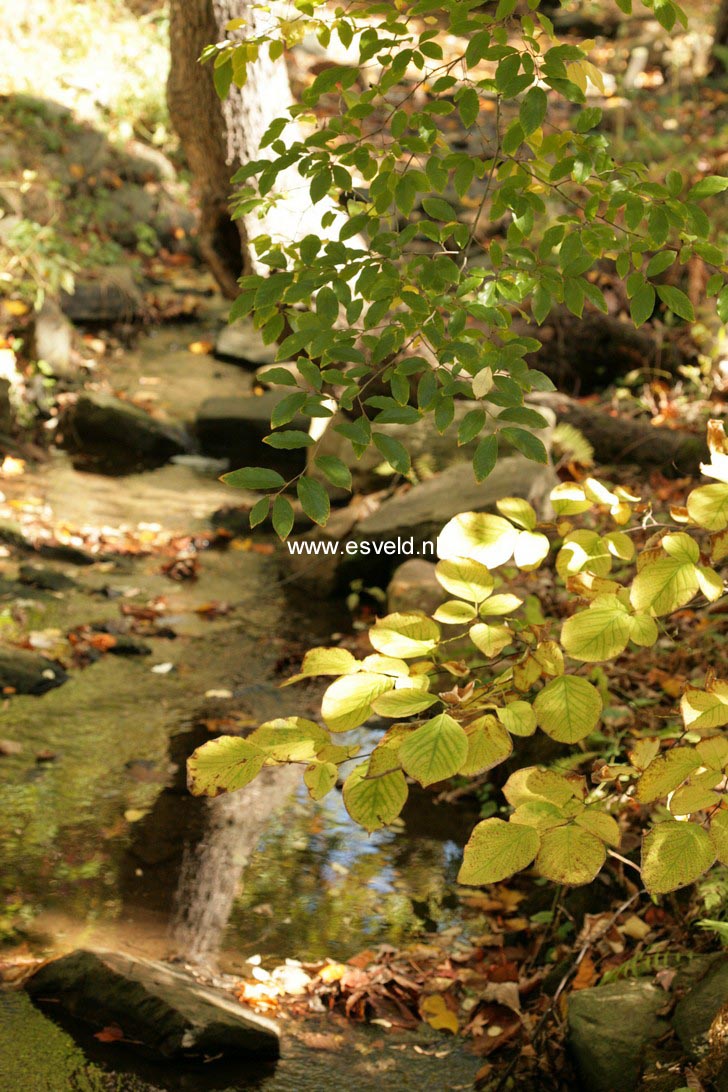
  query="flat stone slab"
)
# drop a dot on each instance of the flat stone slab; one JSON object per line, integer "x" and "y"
{"x": 161, "y": 1007}
{"x": 100, "y": 423}
{"x": 233, "y": 428}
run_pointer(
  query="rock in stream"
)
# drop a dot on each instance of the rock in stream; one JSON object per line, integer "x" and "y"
{"x": 161, "y": 1007}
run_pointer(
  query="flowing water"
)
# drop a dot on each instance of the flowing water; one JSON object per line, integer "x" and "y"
{"x": 100, "y": 844}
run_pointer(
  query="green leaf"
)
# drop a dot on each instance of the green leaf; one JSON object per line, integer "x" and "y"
{"x": 600, "y": 633}
{"x": 525, "y": 442}
{"x": 518, "y": 718}
{"x": 469, "y": 107}
{"x": 471, "y": 424}
{"x": 455, "y": 613}
{"x": 438, "y": 209}
{"x": 222, "y": 77}
{"x": 404, "y": 635}
{"x": 374, "y": 802}
{"x": 533, "y": 109}
{"x": 289, "y": 739}
{"x": 490, "y": 639}
{"x": 314, "y": 500}
{"x": 320, "y": 778}
{"x": 719, "y": 835}
{"x": 489, "y": 744}
{"x": 533, "y": 783}
{"x": 393, "y": 451}
{"x": 664, "y": 585}
{"x": 287, "y": 408}
{"x": 708, "y": 506}
{"x": 465, "y": 578}
{"x": 479, "y": 536}
{"x": 677, "y": 301}
{"x": 405, "y": 702}
{"x": 223, "y": 765}
{"x": 642, "y": 304}
{"x": 707, "y": 187}
{"x": 254, "y": 477}
{"x": 666, "y": 772}
{"x": 434, "y": 751}
{"x": 336, "y": 471}
{"x": 570, "y": 855}
{"x": 568, "y": 708}
{"x": 347, "y": 703}
{"x": 495, "y": 850}
{"x": 485, "y": 457}
{"x": 675, "y": 854}
{"x": 282, "y": 517}
{"x": 325, "y": 661}
{"x": 660, "y": 262}
{"x": 288, "y": 440}
{"x": 259, "y": 511}
{"x": 597, "y": 822}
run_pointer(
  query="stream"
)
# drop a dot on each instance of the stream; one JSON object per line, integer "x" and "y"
{"x": 100, "y": 843}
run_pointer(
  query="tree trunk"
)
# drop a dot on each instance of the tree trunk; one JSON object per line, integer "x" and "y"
{"x": 219, "y": 137}
{"x": 720, "y": 39}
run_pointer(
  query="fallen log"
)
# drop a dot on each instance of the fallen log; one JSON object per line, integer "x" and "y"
{"x": 582, "y": 355}
{"x": 618, "y": 440}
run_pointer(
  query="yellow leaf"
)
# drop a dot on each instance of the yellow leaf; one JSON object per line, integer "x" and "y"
{"x": 16, "y": 307}
{"x": 332, "y": 972}
{"x": 435, "y": 1011}
{"x": 200, "y": 348}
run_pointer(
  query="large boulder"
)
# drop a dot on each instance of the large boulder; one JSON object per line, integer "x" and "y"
{"x": 100, "y": 424}
{"x": 414, "y": 586}
{"x": 707, "y": 994}
{"x": 430, "y": 451}
{"x": 610, "y": 1030}
{"x": 240, "y": 343}
{"x": 407, "y": 524}
{"x": 233, "y": 428}
{"x": 110, "y": 297}
{"x": 28, "y": 673}
{"x": 161, "y": 1007}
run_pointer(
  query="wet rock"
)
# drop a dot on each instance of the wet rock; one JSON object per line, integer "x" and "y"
{"x": 407, "y": 525}
{"x": 233, "y": 428}
{"x": 74, "y": 555}
{"x": 159, "y": 1006}
{"x": 24, "y": 672}
{"x": 53, "y": 339}
{"x": 414, "y": 586}
{"x": 112, "y": 296}
{"x": 610, "y": 1029}
{"x": 101, "y": 424}
{"x": 321, "y": 572}
{"x": 241, "y": 343}
{"x": 707, "y": 994}
{"x": 45, "y": 578}
{"x": 420, "y": 514}
{"x": 129, "y": 646}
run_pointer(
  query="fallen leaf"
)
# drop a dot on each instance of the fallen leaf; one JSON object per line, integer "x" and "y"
{"x": 110, "y": 1034}
{"x": 435, "y": 1011}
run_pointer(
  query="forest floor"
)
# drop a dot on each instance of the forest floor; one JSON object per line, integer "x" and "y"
{"x": 93, "y": 189}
